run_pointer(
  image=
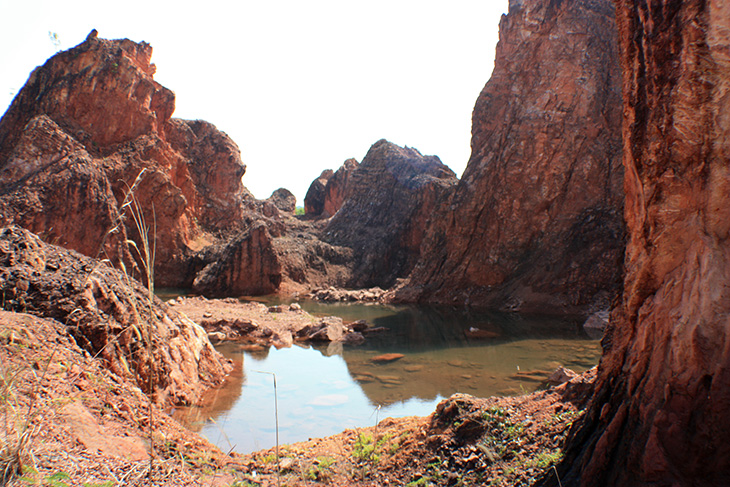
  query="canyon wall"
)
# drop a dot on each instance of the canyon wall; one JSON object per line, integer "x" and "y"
{"x": 661, "y": 411}
{"x": 535, "y": 224}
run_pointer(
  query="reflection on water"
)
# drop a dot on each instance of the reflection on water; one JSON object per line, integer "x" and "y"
{"x": 323, "y": 391}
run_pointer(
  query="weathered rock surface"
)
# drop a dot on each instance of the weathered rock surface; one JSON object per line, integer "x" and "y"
{"x": 661, "y": 411}
{"x": 247, "y": 265}
{"x": 284, "y": 200}
{"x": 110, "y": 316}
{"x": 314, "y": 199}
{"x": 535, "y": 222}
{"x": 82, "y": 129}
{"x": 338, "y": 187}
{"x": 395, "y": 191}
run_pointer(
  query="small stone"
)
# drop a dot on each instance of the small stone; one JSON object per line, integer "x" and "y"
{"x": 387, "y": 357}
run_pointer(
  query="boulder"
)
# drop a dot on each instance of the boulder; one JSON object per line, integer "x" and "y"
{"x": 314, "y": 199}
{"x": 329, "y": 329}
{"x": 596, "y": 323}
{"x": 338, "y": 187}
{"x": 284, "y": 200}
{"x": 535, "y": 223}
{"x": 561, "y": 376}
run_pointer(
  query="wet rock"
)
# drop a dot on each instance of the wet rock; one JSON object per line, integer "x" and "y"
{"x": 480, "y": 334}
{"x": 216, "y": 336}
{"x": 359, "y": 325}
{"x": 329, "y": 329}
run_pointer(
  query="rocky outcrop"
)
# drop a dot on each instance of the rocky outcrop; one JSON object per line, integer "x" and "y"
{"x": 246, "y": 266}
{"x": 661, "y": 411}
{"x": 314, "y": 199}
{"x": 111, "y": 316}
{"x": 81, "y": 130}
{"x": 535, "y": 223}
{"x": 395, "y": 191}
{"x": 339, "y": 187}
{"x": 284, "y": 200}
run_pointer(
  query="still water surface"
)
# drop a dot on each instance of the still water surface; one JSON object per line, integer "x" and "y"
{"x": 322, "y": 391}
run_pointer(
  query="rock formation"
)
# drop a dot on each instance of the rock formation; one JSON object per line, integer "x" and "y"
{"x": 339, "y": 187}
{"x": 110, "y": 316}
{"x": 82, "y": 129}
{"x": 314, "y": 199}
{"x": 661, "y": 411}
{"x": 535, "y": 223}
{"x": 394, "y": 192}
{"x": 284, "y": 200}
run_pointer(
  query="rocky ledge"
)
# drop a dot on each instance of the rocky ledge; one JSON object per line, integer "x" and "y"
{"x": 257, "y": 325}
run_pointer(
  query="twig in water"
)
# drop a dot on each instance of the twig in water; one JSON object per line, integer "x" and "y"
{"x": 276, "y": 417}
{"x": 557, "y": 476}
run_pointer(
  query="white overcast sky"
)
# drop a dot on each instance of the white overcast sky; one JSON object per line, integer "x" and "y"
{"x": 300, "y": 86}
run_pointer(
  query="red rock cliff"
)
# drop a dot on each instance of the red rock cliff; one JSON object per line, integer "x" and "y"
{"x": 661, "y": 411}
{"x": 535, "y": 223}
{"x": 81, "y": 130}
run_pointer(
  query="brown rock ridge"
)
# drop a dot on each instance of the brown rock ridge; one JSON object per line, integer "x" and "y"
{"x": 661, "y": 411}
{"x": 83, "y": 127}
{"x": 395, "y": 191}
{"x": 109, "y": 316}
{"x": 535, "y": 222}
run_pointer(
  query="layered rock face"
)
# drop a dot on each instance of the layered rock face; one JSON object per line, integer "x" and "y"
{"x": 395, "y": 191}
{"x": 82, "y": 129}
{"x": 661, "y": 411}
{"x": 535, "y": 223}
{"x": 110, "y": 316}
